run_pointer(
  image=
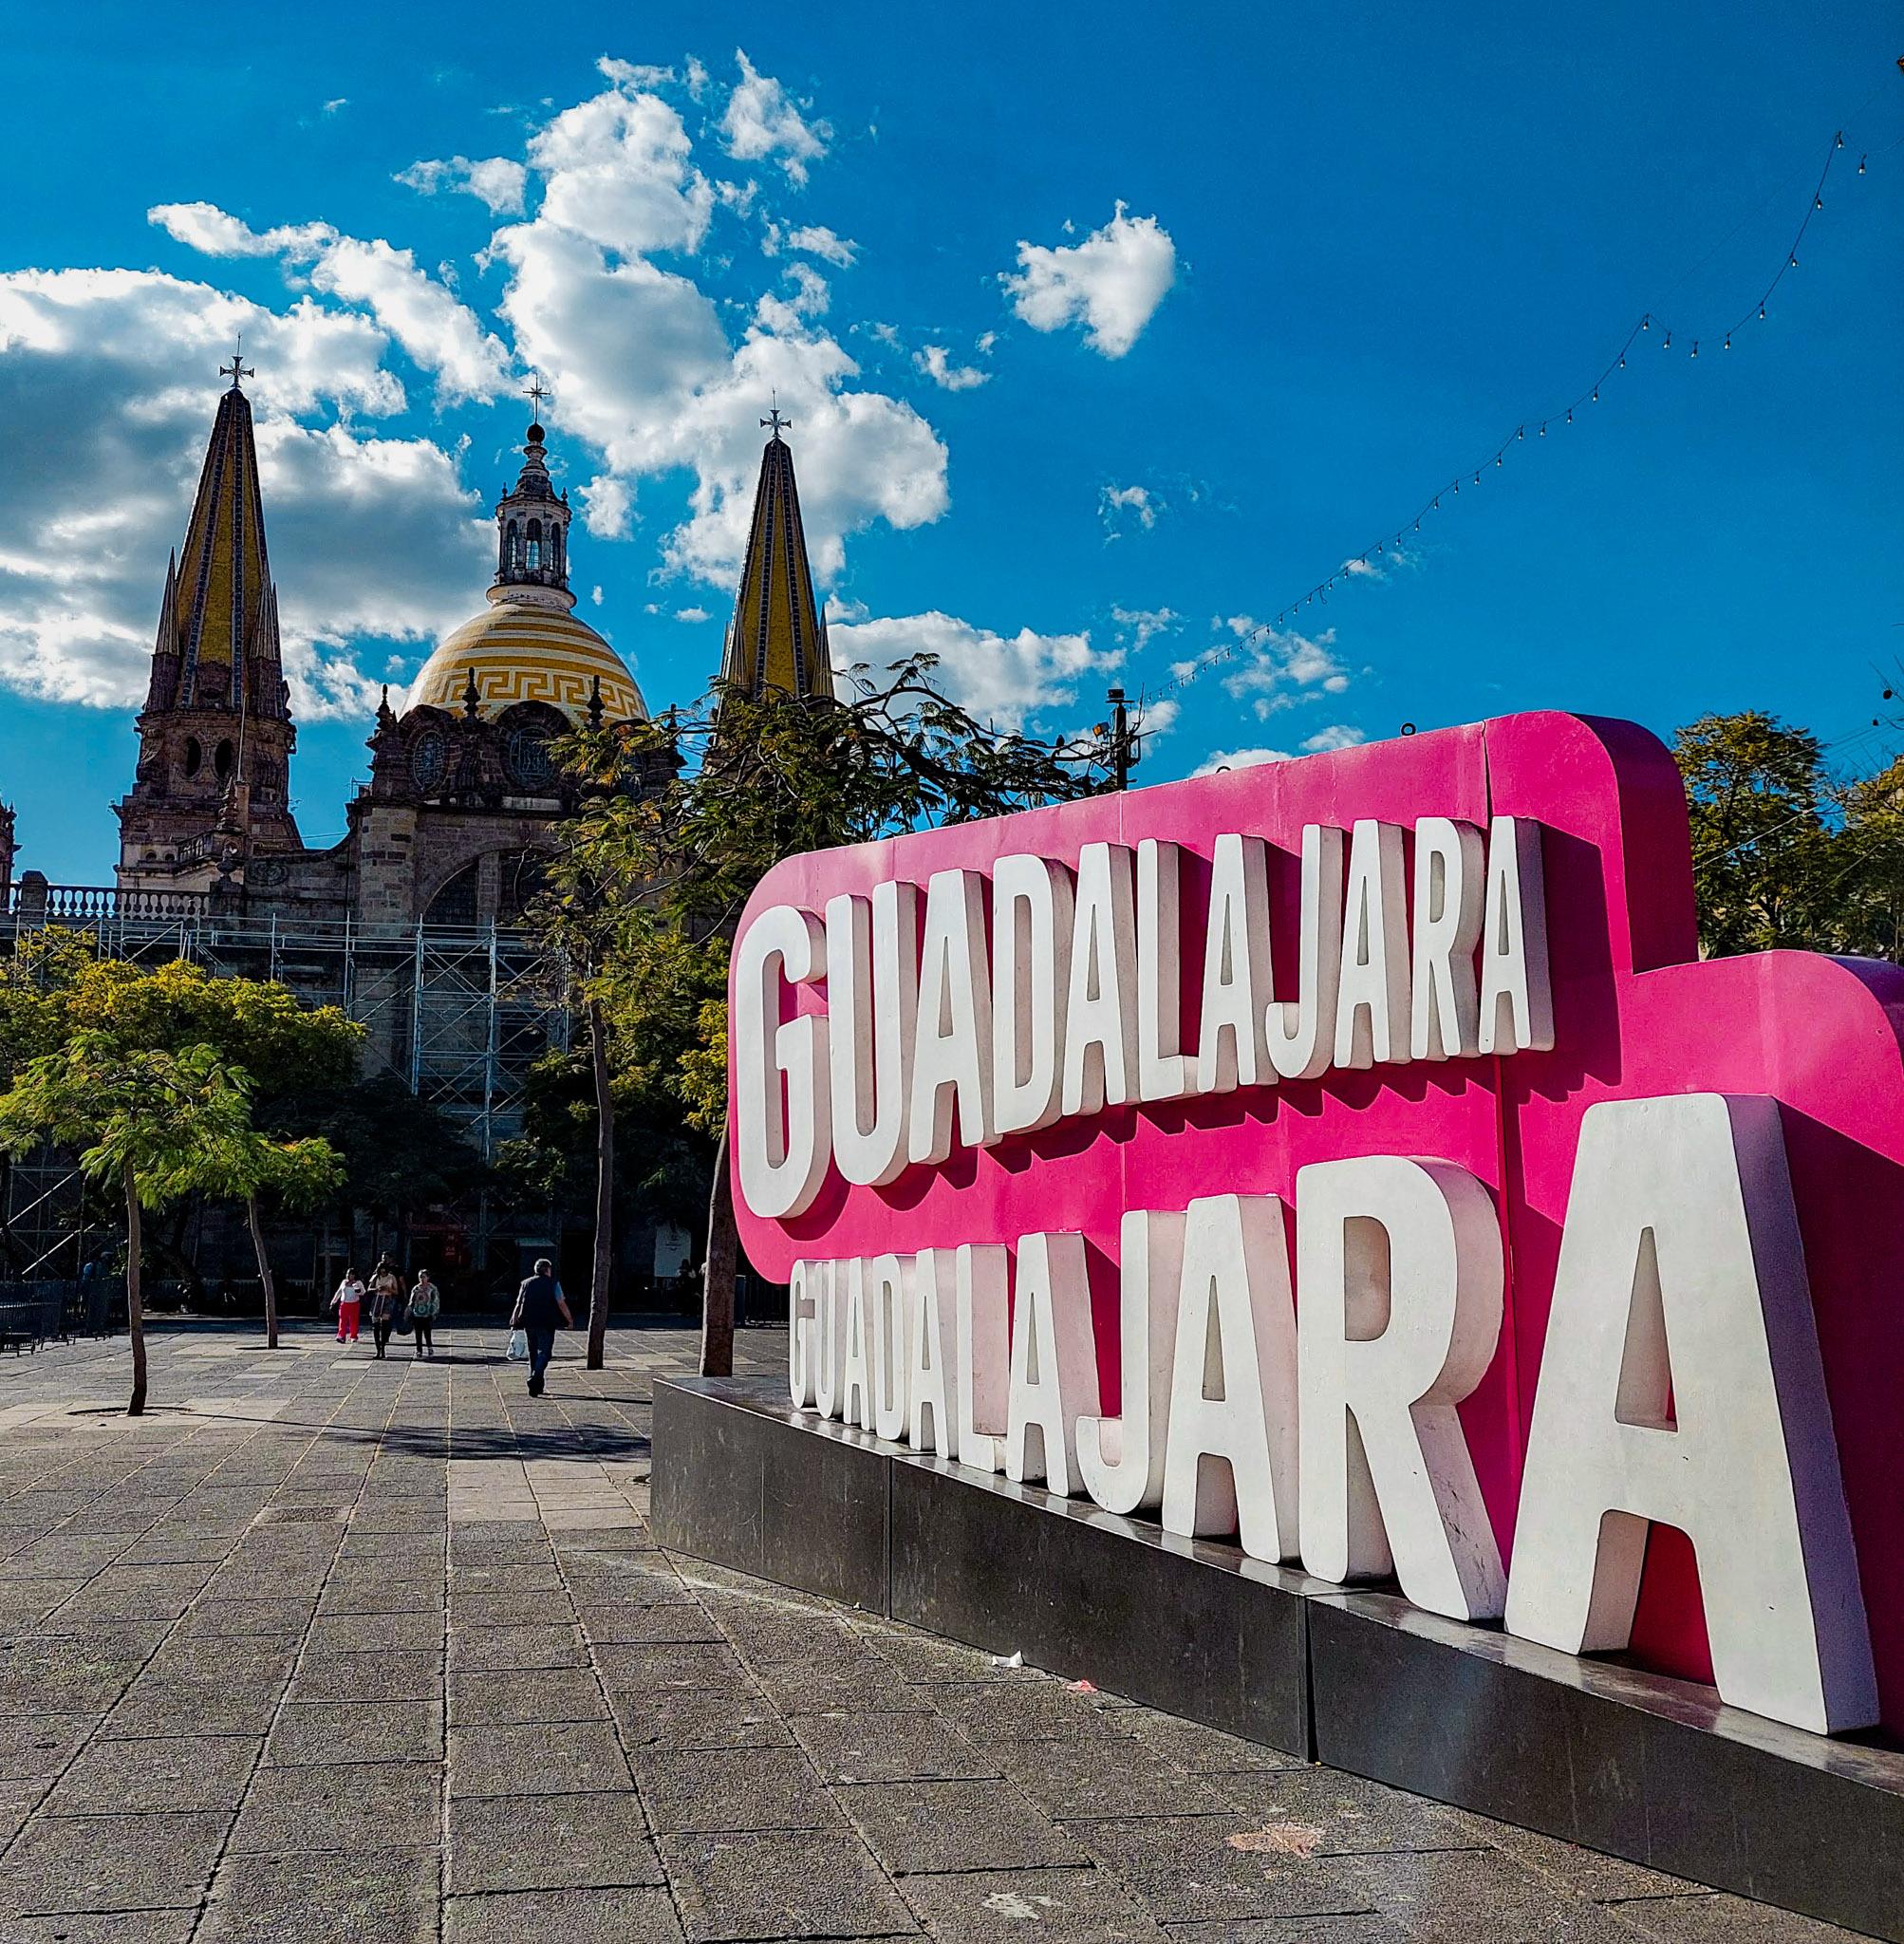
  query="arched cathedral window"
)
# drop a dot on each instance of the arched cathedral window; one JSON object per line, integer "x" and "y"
{"x": 535, "y": 545}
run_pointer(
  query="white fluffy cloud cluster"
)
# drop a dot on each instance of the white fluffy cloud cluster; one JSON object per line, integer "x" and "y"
{"x": 104, "y": 380}
{"x": 603, "y": 279}
{"x": 1006, "y": 680}
{"x": 1111, "y": 283}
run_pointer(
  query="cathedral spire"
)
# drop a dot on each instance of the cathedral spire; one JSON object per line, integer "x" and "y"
{"x": 777, "y": 639}
{"x": 218, "y": 621}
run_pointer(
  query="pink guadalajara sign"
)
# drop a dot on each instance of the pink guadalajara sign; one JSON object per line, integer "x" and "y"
{"x": 1634, "y": 1018}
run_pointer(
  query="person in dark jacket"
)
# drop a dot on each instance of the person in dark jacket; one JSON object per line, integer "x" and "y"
{"x": 539, "y": 1306}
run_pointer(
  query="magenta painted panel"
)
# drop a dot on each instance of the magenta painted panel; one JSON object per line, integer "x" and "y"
{"x": 1635, "y": 1013}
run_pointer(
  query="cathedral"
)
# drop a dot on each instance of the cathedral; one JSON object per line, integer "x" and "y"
{"x": 464, "y": 795}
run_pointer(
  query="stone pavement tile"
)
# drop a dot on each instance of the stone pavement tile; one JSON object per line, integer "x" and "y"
{"x": 257, "y": 1669}
{"x": 137, "y": 1593}
{"x": 177, "y": 1548}
{"x": 1202, "y": 1751}
{"x": 1102, "y": 1779}
{"x": 698, "y": 1718}
{"x": 1721, "y": 1920}
{"x": 577, "y": 1916}
{"x": 552, "y": 1758}
{"x": 115, "y": 1927}
{"x": 489, "y": 1648}
{"x": 913, "y": 1826}
{"x": 1350, "y": 1814}
{"x": 476, "y": 1609}
{"x": 375, "y": 1592}
{"x": 1413, "y": 1886}
{"x": 18, "y": 1800}
{"x": 1184, "y": 1869}
{"x": 645, "y": 1667}
{"x": 24, "y": 1603}
{"x": 1366, "y": 1928}
{"x": 179, "y": 1772}
{"x": 339, "y": 1897}
{"x": 925, "y": 1657}
{"x": 364, "y": 1632}
{"x": 1028, "y": 1711}
{"x": 342, "y": 1808}
{"x": 192, "y": 1707}
{"x": 854, "y": 1746}
{"x": 366, "y": 1548}
{"x": 1556, "y": 1920}
{"x": 37, "y": 1746}
{"x": 618, "y": 1622}
{"x": 866, "y": 1683}
{"x": 780, "y": 1883}
{"x": 710, "y": 1790}
{"x": 268, "y": 1620}
{"x": 539, "y": 1577}
{"x": 311, "y": 1734}
{"x": 111, "y": 1863}
{"x": 1072, "y": 1906}
{"x": 769, "y": 1634}
{"x": 402, "y": 1675}
{"x": 1585, "y": 1872}
{"x": 599, "y": 1842}
{"x": 503, "y": 1698}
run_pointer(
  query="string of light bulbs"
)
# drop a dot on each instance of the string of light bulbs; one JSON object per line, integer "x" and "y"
{"x": 1393, "y": 543}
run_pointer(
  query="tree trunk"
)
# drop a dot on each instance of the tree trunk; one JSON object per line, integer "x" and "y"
{"x": 135, "y": 1313}
{"x": 605, "y": 1188}
{"x": 723, "y": 1258}
{"x": 264, "y": 1272}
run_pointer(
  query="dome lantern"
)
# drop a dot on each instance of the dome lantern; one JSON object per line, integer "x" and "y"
{"x": 532, "y": 522}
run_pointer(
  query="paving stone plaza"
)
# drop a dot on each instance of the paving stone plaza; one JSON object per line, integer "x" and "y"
{"x": 326, "y": 1648}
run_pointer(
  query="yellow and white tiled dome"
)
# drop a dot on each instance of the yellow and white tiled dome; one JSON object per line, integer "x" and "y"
{"x": 520, "y": 653}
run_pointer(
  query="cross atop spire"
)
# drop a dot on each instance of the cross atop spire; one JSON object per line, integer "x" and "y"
{"x": 535, "y": 392}
{"x": 237, "y": 370}
{"x": 774, "y": 424}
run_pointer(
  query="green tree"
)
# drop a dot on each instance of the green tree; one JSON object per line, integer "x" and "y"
{"x": 1767, "y": 866}
{"x": 665, "y": 851}
{"x": 295, "y": 1174}
{"x": 155, "y": 1124}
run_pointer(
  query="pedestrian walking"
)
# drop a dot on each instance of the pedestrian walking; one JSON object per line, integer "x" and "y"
{"x": 387, "y": 1301}
{"x": 539, "y": 1306}
{"x": 426, "y": 1302}
{"x": 348, "y": 1303}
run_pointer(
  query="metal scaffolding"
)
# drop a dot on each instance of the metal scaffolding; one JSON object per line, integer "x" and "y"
{"x": 459, "y": 1014}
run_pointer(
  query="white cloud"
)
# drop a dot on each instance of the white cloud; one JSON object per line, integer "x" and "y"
{"x": 496, "y": 181}
{"x": 108, "y": 377}
{"x": 617, "y": 173}
{"x": 335, "y": 102}
{"x": 936, "y": 362}
{"x": 441, "y": 334}
{"x": 1145, "y": 622}
{"x": 691, "y": 614}
{"x": 763, "y": 123}
{"x": 1006, "y": 680}
{"x": 1283, "y": 667}
{"x": 1239, "y": 759}
{"x": 817, "y": 240}
{"x": 1111, "y": 283}
{"x": 608, "y": 507}
{"x": 641, "y": 363}
{"x": 1117, "y": 506}
{"x": 1337, "y": 736}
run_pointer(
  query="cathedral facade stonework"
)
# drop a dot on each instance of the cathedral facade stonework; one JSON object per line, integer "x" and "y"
{"x": 464, "y": 794}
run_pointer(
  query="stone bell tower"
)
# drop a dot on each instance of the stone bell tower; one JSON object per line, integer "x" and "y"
{"x": 215, "y": 734}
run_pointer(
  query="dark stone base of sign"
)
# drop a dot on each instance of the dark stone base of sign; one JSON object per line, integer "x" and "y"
{"x": 1639, "y": 1766}
{"x": 1196, "y": 1629}
{"x": 748, "y": 1485}
{"x": 1652, "y": 1769}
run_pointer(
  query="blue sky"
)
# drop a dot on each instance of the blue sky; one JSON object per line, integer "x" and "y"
{"x": 1060, "y": 445}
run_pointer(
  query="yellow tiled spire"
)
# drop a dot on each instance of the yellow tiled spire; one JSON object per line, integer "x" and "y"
{"x": 217, "y": 645}
{"x": 777, "y": 639}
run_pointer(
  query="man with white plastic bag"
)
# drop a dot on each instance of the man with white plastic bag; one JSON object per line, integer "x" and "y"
{"x": 539, "y": 1307}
